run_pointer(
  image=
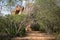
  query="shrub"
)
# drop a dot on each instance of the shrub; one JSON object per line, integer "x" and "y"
{"x": 47, "y": 16}
{"x": 12, "y": 25}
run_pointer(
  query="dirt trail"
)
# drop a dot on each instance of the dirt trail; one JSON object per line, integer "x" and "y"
{"x": 35, "y": 35}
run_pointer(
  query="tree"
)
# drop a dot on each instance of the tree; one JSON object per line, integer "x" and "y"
{"x": 46, "y": 12}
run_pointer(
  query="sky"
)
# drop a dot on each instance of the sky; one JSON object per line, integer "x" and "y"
{"x": 5, "y": 10}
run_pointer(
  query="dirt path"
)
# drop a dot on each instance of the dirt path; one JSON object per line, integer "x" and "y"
{"x": 35, "y": 35}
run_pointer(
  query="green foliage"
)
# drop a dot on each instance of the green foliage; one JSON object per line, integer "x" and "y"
{"x": 47, "y": 14}
{"x": 12, "y": 25}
